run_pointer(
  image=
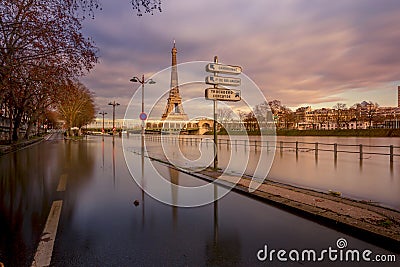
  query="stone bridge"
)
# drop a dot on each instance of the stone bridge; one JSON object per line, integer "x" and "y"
{"x": 196, "y": 127}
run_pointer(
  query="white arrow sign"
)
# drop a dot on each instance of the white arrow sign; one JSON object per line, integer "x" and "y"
{"x": 223, "y": 80}
{"x": 222, "y": 94}
{"x": 227, "y": 69}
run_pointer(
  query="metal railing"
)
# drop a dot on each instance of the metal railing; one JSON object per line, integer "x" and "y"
{"x": 295, "y": 146}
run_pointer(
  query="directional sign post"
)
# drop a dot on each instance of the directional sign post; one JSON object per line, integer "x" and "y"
{"x": 226, "y": 69}
{"x": 217, "y": 80}
{"x": 221, "y": 94}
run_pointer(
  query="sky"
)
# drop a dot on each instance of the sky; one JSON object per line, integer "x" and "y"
{"x": 302, "y": 52}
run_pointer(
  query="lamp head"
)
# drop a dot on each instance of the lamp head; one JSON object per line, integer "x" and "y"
{"x": 134, "y": 80}
{"x": 151, "y": 81}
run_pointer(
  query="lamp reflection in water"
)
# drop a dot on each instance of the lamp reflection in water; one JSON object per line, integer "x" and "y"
{"x": 102, "y": 150}
{"x": 174, "y": 179}
{"x": 113, "y": 159}
{"x": 215, "y": 214}
{"x": 142, "y": 81}
{"x": 225, "y": 247}
{"x": 142, "y": 181}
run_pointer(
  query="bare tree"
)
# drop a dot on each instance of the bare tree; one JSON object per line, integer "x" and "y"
{"x": 76, "y": 108}
{"x": 371, "y": 112}
{"x": 224, "y": 114}
{"x": 251, "y": 122}
{"x": 146, "y": 6}
{"x": 265, "y": 112}
{"x": 339, "y": 113}
{"x": 41, "y": 47}
{"x": 40, "y": 42}
{"x": 287, "y": 117}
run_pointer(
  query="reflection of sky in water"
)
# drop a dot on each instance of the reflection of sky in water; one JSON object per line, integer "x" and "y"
{"x": 372, "y": 180}
{"x": 100, "y": 225}
{"x": 240, "y": 225}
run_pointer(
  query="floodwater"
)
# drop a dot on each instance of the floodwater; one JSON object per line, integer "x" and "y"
{"x": 101, "y": 226}
{"x": 373, "y": 178}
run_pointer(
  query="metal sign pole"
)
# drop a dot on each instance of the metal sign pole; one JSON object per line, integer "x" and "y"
{"x": 216, "y": 94}
{"x": 215, "y": 123}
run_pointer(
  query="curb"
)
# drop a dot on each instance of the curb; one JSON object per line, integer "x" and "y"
{"x": 18, "y": 146}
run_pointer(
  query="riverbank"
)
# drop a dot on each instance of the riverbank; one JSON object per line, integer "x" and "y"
{"x": 365, "y": 220}
{"x": 373, "y": 223}
{"x": 340, "y": 133}
{"x": 344, "y": 132}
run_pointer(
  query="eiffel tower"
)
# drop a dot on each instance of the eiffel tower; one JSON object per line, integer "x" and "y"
{"x": 174, "y": 109}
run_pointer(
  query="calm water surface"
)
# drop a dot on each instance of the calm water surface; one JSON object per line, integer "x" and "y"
{"x": 100, "y": 225}
{"x": 371, "y": 179}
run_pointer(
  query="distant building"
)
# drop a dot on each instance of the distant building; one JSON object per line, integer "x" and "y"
{"x": 300, "y": 117}
{"x": 97, "y": 124}
{"x": 398, "y": 96}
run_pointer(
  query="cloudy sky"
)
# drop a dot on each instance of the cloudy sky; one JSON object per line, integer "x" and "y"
{"x": 302, "y": 52}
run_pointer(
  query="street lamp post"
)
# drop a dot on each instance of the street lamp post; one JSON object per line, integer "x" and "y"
{"x": 103, "y": 113}
{"x": 114, "y": 104}
{"x": 142, "y": 82}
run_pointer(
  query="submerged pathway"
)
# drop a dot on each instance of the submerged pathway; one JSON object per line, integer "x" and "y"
{"x": 362, "y": 219}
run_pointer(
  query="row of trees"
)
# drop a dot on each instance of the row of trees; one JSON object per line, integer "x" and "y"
{"x": 366, "y": 111}
{"x": 338, "y": 116}
{"x": 42, "y": 54}
{"x": 76, "y": 108}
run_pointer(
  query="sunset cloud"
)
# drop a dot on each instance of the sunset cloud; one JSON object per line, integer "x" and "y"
{"x": 301, "y": 52}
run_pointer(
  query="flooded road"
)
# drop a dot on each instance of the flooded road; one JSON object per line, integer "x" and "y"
{"x": 107, "y": 220}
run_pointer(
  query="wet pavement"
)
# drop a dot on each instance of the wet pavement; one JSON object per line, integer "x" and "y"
{"x": 100, "y": 225}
